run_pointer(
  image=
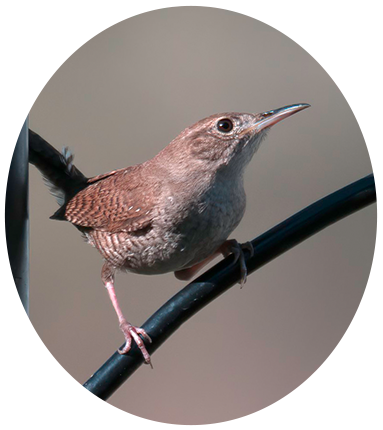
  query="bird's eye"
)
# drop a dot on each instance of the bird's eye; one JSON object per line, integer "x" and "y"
{"x": 225, "y": 125}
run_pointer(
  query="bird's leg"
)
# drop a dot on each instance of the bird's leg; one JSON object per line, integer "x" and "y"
{"x": 186, "y": 274}
{"x": 233, "y": 247}
{"x": 227, "y": 248}
{"x": 130, "y": 332}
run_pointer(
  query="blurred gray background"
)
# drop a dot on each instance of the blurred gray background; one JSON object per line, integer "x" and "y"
{"x": 120, "y": 99}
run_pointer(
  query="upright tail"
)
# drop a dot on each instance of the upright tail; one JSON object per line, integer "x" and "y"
{"x": 59, "y": 173}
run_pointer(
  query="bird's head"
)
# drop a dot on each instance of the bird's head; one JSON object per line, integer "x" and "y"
{"x": 227, "y": 140}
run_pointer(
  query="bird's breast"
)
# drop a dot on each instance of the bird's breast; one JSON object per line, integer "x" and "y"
{"x": 210, "y": 220}
{"x": 185, "y": 230}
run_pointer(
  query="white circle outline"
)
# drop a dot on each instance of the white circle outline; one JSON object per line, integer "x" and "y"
{"x": 356, "y": 313}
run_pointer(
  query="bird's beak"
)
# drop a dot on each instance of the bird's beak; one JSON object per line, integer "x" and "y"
{"x": 268, "y": 119}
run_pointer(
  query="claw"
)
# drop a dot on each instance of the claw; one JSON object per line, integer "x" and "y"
{"x": 249, "y": 246}
{"x": 131, "y": 332}
{"x": 235, "y": 248}
{"x": 143, "y": 333}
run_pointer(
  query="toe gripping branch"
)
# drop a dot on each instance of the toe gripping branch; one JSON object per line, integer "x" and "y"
{"x": 207, "y": 287}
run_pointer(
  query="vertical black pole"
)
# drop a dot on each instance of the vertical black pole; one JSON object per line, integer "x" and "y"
{"x": 16, "y": 217}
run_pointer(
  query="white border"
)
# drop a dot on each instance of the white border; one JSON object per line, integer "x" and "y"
{"x": 242, "y": 13}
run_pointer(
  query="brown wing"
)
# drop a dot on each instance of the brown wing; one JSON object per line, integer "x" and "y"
{"x": 117, "y": 201}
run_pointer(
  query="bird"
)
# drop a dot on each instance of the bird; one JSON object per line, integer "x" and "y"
{"x": 172, "y": 213}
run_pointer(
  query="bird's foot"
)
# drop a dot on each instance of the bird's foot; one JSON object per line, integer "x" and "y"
{"x": 131, "y": 332}
{"x": 235, "y": 248}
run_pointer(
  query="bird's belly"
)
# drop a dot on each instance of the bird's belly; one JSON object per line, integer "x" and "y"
{"x": 169, "y": 246}
{"x": 146, "y": 252}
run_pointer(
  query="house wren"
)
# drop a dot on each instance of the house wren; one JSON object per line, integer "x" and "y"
{"x": 172, "y": 213}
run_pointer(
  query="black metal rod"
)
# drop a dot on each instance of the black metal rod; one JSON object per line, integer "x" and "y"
{"x": 16, "y": 217}
{"x": 224, "y": 275}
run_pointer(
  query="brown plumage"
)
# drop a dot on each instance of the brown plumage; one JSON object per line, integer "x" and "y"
{"x": 171, "y": 213}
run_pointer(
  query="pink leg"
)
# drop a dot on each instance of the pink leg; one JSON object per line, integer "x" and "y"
{"x": 130, "y": 332}
{"x": 186, "y": 274}
{"x": 227, "y": 248}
